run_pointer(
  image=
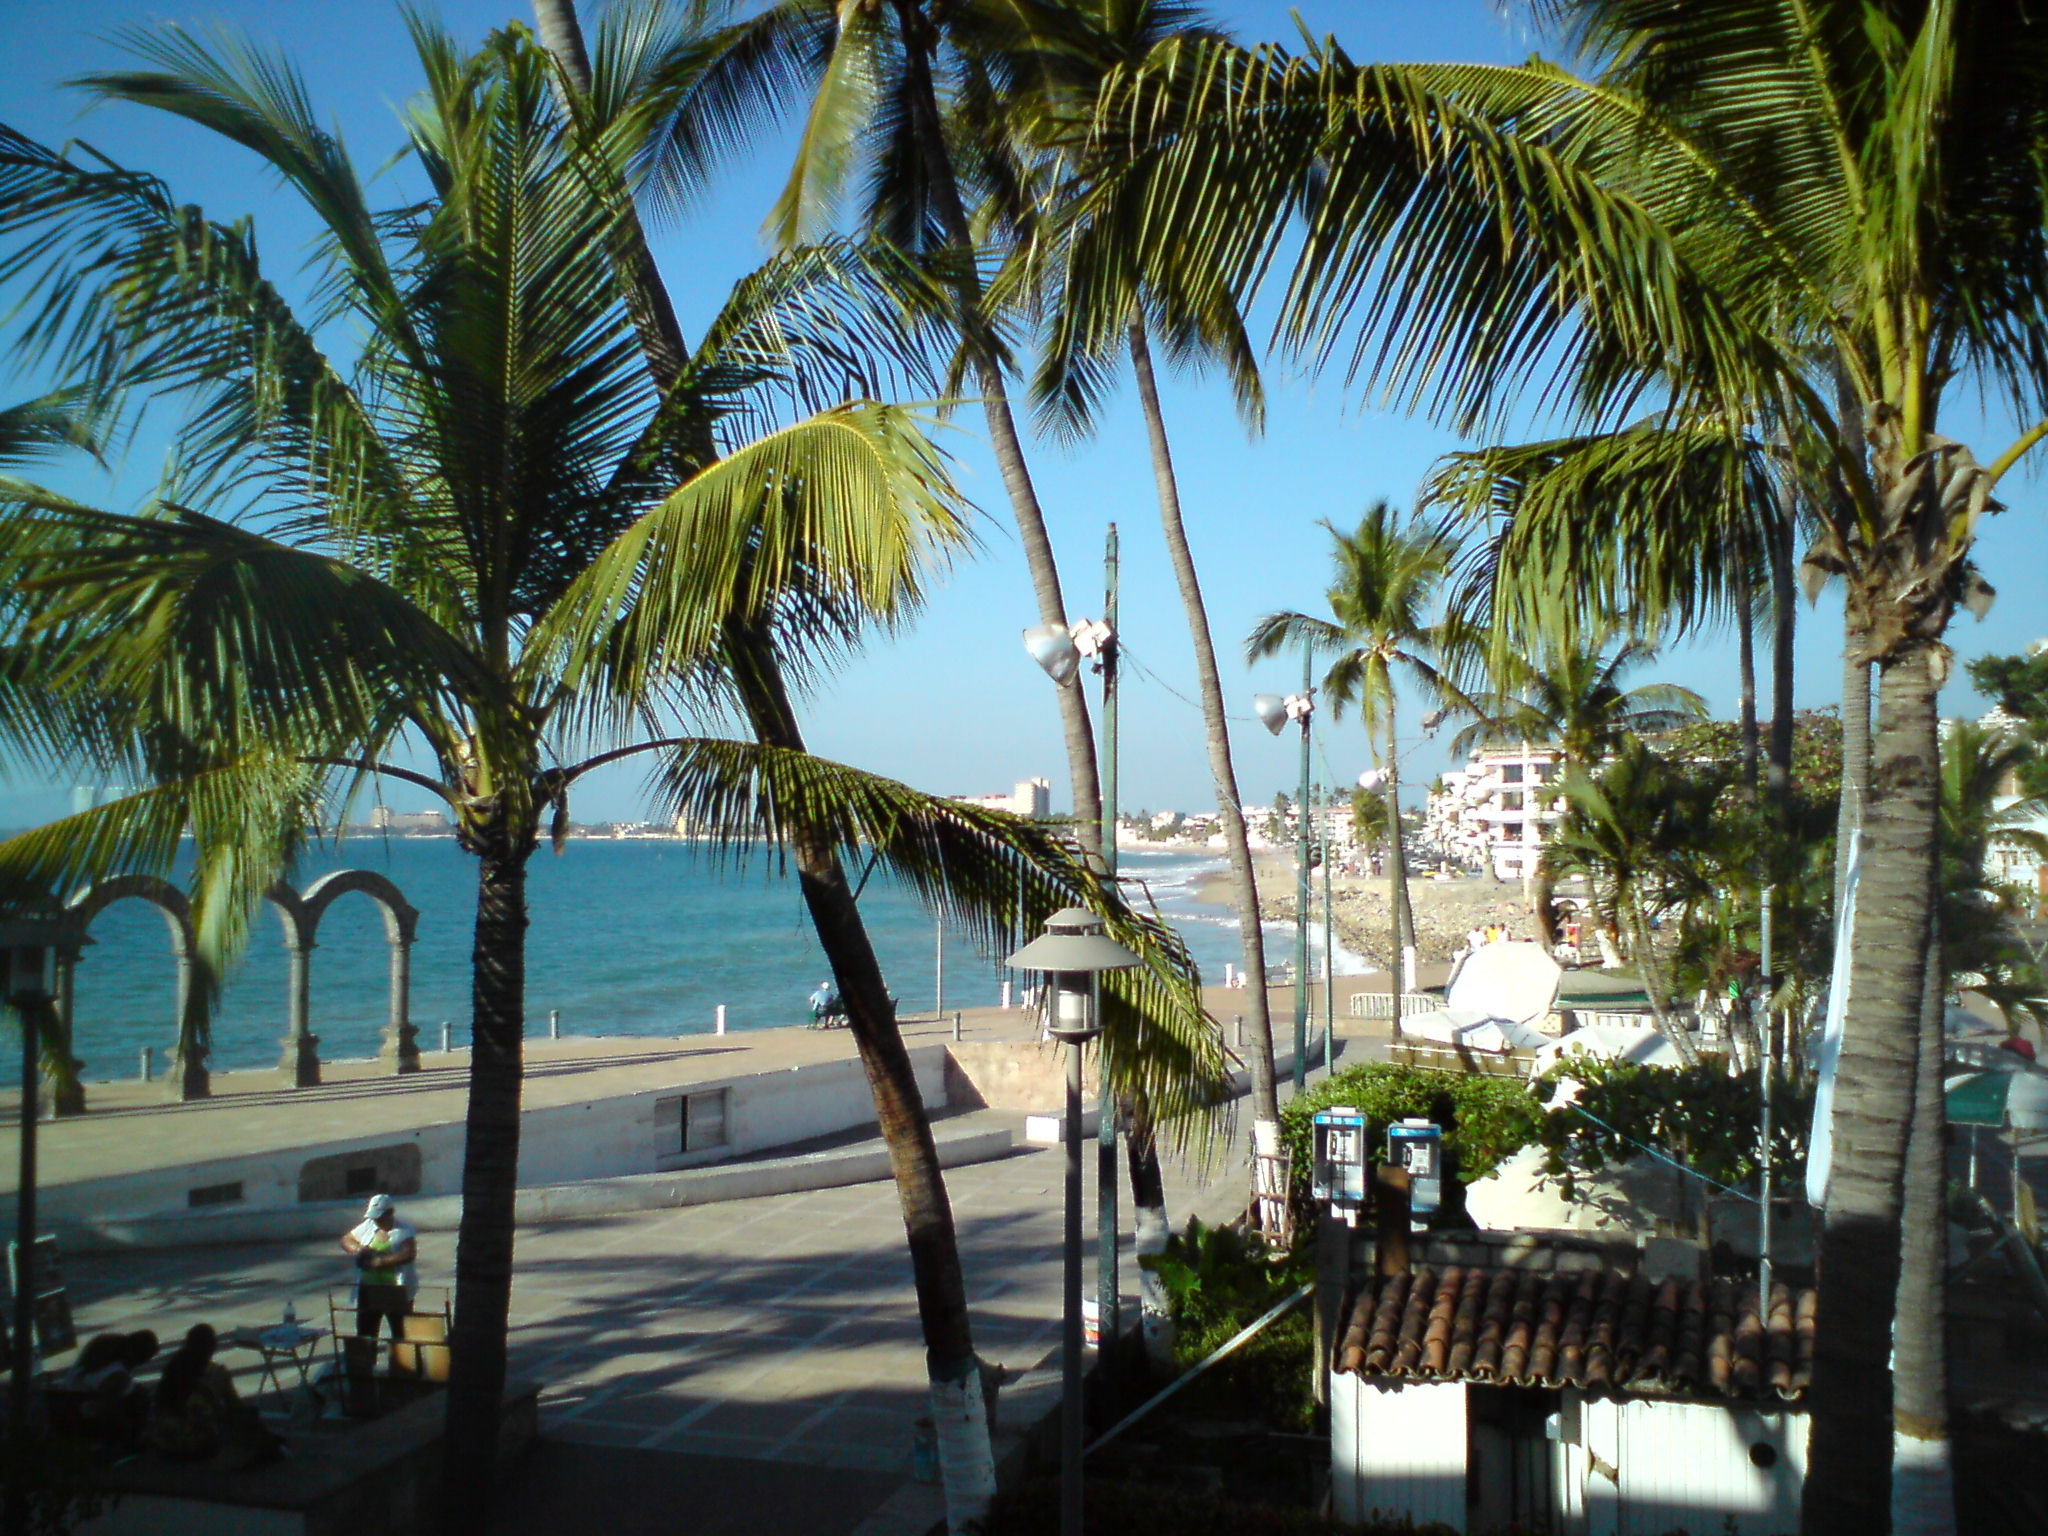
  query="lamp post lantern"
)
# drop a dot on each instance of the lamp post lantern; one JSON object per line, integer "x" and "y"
{"x": 1071, "y": 953}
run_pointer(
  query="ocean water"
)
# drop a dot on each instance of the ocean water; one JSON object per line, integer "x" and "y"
{"x": 627, "y": 938}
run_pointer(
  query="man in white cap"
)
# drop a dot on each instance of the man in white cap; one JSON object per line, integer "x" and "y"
{"x": 383, "y": 1248}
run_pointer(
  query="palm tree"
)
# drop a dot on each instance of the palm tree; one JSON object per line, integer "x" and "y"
{"x": 1634, "y": 830}
{"x": 1388, "y": 574}
{"x": 1071, "y": 53}
{"x": 1681, "y": 525}
{"x": 909, "y": 95}
{"x": 1570, "y": 694}
{"x": 1980, "y": 819}
{"x": 483, "y": 543}
{"x": 751, "y": 663}
{"x": 1730, "y": 190}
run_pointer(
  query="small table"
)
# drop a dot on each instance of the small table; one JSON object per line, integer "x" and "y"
{"x": 279, "y": 1344}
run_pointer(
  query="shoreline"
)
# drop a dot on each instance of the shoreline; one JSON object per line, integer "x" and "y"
{"x": 1445, "y": 909}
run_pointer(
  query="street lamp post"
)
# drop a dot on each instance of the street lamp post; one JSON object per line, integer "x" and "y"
{"x": 1059, "y": 649}
{"x": 1275, "y": 713}
{"x": 24, "y": 944}
{"x": 1071, "y": 953}
{"x": 1108, "y": 1283}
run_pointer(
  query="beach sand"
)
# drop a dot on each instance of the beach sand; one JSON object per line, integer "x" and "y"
{"x": 1445, "y": 910}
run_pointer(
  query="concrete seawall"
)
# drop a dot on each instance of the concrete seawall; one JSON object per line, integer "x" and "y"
{"x": 958, "y": 1145}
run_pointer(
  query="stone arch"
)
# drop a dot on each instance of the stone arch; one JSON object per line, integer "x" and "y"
{"x": 189, "y": 1077}
{"x": 401, "y": 918}
{"x": 303, "y": 914}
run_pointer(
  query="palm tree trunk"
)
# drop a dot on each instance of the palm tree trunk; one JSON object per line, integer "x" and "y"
{"x": 1923, "y": 1481}
{"x": 1745, "y": 630}
{"x": 654, "y": 317}
{"x": 1004, "y": 440}
{"x": 490, "y": 1184}
{"x": 1543, "y": 902}
{"x": 966, "y": 1461}
{"x": 1784, "y": 624}
{"x": 1397, "y": 873}
{"x": 965, "y": 1458}
{"x": 1644, "y": 943}
{"x": 1151, "y": 1230}
{"x": 1209, "y": 686}
{"x": 1848, "y": 1486}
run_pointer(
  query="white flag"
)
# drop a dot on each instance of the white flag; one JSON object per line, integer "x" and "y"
{"x": 1820, "y": 1145}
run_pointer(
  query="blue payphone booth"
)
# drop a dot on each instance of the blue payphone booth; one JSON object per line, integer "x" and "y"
{"x": 1418, "y": 1146}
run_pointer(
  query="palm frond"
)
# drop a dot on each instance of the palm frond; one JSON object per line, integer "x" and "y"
{"x": 834, "y": 524}
{"x": 992, "y": 876}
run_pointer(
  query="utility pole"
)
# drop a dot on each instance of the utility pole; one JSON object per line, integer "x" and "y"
{"x": 1301, "y": 886}
{"x": 1764, "y": 1042}
{"x": 1108, "y": 1284}
{"x": 1329, "y": 945}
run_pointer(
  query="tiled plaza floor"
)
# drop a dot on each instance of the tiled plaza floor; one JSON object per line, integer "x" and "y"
{"x": 779, "y": 1334}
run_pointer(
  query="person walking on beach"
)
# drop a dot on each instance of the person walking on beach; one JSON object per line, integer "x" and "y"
{"x": 824, "y": 1003}
{"x": 384, "y": 1249}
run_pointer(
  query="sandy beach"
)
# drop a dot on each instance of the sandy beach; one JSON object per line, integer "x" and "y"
{"x": 1445, "y": 910}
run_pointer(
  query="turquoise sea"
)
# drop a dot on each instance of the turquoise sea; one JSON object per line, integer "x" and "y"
{"x": 629, "y": 937}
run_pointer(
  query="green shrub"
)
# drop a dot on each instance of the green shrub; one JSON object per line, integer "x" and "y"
{"x": 1495, "y": 1117}
{"x": 1698, "y": 1116}
{"x": 1220, "y": 1280}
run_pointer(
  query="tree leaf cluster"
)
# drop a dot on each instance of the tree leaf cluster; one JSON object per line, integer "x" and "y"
{"x": 1486, "y": 1120}
{"x": 1700, "y": 1117}
{"x": 2019, "y": 686}
{"x": 1219, "y": 1280}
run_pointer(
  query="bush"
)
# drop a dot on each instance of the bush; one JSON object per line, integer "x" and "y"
{"x": 1491, "y": 1118}
{"x": 1220, "y": 1279}
{"x": 1697, "y": 1116}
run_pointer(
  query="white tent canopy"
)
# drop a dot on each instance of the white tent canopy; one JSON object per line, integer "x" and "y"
{"x": 1497, "y": 997}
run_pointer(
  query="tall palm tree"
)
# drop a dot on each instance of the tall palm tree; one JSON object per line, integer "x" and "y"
{"x": 1389, "y": 571}
{"x": 1632, "y": 828}
{"x": 906, "y": 96}
{"x": 754, "y": 669}
{"x": 1981, "y": 819}
{"x": 489, "y": 542}
{"x": 1078, "y": 50}
{"x": 1738, "y": 188}
{"x": 1571, "y": 694}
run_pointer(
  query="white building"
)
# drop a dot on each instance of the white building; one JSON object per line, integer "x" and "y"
{"x": 1557, "y": 1391}
{"x": 1496, "y": 811}
{"x": 384, "y": 819}
{"x": 1029, "y": 797}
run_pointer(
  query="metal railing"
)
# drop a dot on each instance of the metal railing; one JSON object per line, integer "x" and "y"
{"x": 1380, "y": 1005}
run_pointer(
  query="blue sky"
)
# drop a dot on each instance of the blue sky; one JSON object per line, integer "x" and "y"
{"x": 954, "y": 705}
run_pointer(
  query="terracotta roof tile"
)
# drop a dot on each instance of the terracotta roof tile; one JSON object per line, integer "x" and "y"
{"x": 1589, "y": 1329}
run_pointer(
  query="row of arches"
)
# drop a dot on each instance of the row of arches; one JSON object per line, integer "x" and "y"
{"x": 300, "y": 913}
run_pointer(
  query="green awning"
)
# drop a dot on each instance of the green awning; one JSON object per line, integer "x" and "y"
{"x": 1977, "y": 1098}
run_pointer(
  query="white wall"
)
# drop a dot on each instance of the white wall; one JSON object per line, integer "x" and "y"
{"x": 632, "y": 1133}
{"x": 1645, "y": 1468}
{"x": 1398, "y": 1449}
{"x": 1630, "y": 1467}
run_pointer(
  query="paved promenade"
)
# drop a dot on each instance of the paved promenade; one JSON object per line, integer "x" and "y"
{"x": 749, "y": 1366}
{"x": 753, "y": 1366}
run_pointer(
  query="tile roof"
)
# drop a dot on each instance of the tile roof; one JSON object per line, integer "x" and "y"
{"x": 1593, "y": 1329}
